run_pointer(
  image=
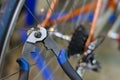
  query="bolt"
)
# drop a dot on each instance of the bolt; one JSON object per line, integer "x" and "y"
{"x": 37, "y": 34}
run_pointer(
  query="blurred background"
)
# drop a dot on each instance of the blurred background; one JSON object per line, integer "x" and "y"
{"x": 108, "y": 53}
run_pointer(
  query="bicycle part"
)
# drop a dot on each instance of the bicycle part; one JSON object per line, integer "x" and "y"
{"x": 77, "y": 43}
{"x": 104, "y": 18}
{"x": 60, "y": 35}
{"x": 49, "y": 13}
{"x": 93, "y": 26}
{"x": 113, "y": 31}
{"x": 88, "y": 59}
{"x": 93, "y": 45}
{"x": 7, "y": 23}
{"x": 76, "y": 12}
{"x": 91, "y": 63}
{"x": 103, "y": 7}
{"x": 80, "y": 69}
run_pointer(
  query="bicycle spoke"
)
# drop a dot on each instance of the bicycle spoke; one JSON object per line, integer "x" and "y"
{"x": 80, "y": 17}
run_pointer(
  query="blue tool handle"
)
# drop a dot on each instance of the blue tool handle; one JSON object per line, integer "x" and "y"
{"x": 24, "y": 69}
{"x": 68, "y": 69}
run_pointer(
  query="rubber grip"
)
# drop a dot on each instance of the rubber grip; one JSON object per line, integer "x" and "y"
{"x": 24, "y": 69}
{"x": 66, "y": 66}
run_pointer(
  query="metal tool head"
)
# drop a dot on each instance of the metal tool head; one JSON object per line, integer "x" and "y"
{"x": 37, "y": 35}
{"x": 42, "y": 35}
{"x": 51, "y": 44}
{"x": 34, "y": 36}
{"x": 28, "y": 48}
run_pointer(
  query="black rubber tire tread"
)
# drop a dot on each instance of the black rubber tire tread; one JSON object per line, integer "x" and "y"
{"x": 76, "y": 45}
